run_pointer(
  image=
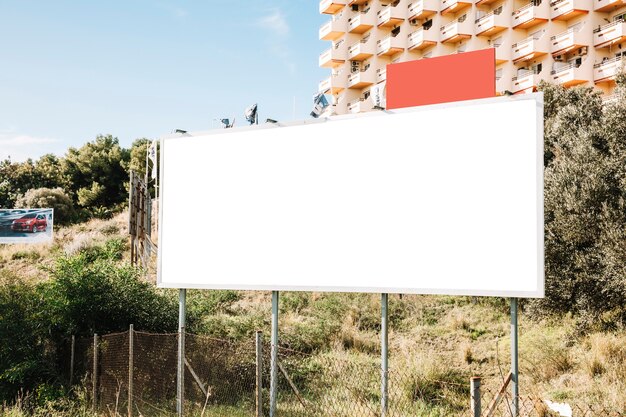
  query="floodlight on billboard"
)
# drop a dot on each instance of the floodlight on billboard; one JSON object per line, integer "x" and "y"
{"x": 28, "y": 225}
{"x": 442, "y": 199}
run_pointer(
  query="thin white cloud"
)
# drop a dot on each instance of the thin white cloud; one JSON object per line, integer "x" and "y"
{"x": 175, "y": 11}
{"x": 20, "y": 147}
{"x": 275, "y": 22}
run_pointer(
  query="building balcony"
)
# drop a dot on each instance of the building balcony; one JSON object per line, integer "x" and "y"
{"x": 362, "y": 50}
{"x": 568, "y": 9}
{"x": 532, "y": 14}
{"x": 331, "y": 6}
{"x": 390, "y": 16}
{"x": 422, "y": 39}
{"x": 607, "y": 5}
{"x": 421, "y": 9}
{"x": 361, "y": 22}
{"x": 573, "y": 73}
{"x": 361, "y": 79}
{"x": 608, "y": 35}
{"x": 607, "y": 70}
{"x": 491, "y": 23}
{"x": 530, "y": 48}
{"x": 361, "y": 105}
{"x": 334, "y": 56}
{"x": 569, "y": 40}
{"x": 503, "y": 54}
{"x": 525, "y": 82}
{"x": 390, "y": 45}
{"x": 454, "y": 6}
{"x": 334, "y": 29}
{"x": 485, "y": 2}
{"x": 334, "y": 84}
{"x": 457, "y": 30}
{"x": 502, "y": 85}
{"x": 381, "y": 75}
{"x": 353, "y": 2}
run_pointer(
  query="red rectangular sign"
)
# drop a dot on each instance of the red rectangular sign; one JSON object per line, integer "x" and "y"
{"x": 465, "y": 76}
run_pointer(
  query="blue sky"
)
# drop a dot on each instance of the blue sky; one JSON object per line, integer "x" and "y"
{"x": 70, "y": 70}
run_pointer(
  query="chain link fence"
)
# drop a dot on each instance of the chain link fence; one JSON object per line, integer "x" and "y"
{"x": 136, "y": 376}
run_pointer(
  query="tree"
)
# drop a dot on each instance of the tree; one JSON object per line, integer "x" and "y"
{"x": 54, "y": 198}
{"x": 16, "y": 178}
{"x": 585, "y": 220}
{"x": 97, "y": 172}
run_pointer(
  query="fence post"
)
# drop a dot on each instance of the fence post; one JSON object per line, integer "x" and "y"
{"x": 259, "y": 374}
{"x": 274, "y": 355}
{"x": 72, "y": 350}
{"x": 384, "y": 351}
{"x": 131, "y": 368}
{"x": 94, "y": 376}
{"x": 475, "y": 396}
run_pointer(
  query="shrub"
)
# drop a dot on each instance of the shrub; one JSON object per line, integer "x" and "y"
{"x": 54, "y": 198}
{"x": 23, "y": 357}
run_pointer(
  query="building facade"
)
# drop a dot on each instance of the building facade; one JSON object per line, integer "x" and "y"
{"x": 569, "y": 42}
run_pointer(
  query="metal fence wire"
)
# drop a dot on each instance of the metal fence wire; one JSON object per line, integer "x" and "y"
{"x": 135, "y": 375}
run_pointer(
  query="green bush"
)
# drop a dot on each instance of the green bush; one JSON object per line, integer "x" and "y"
{"x": 54, "y": 198}
{"x": 24, "y": 359}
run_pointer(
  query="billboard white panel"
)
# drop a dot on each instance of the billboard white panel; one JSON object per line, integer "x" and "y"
{"x": 444, "y": 199}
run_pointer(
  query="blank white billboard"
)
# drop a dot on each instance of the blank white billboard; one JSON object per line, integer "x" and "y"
{"x": 444, "y": 199}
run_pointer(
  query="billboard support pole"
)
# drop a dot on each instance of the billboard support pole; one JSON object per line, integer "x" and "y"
{"x": 384, "y": 340}
{"x": 274, "y": 355}
{"x": 180, "y": 371}
{"x": 514, "y": 359}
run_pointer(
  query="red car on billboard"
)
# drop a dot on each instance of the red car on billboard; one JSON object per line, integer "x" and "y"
{"x": 31, "y": 222}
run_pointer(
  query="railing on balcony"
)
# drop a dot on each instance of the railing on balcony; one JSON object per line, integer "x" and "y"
{"x": 381, "y": 74}
{"x": 421, "y": 9}
{"x": 609, "y": 33}
{"x": 566, "y": 67}
{"x": 606, "y": 5}
{"x": 566, "y": 33}
{"x": 388, "y": 16}
{"x": 608, "y": 26}
{"x": 529, "y": 14}
{"x": 361, "y": 22}
{"x": 331, "y": 6}
{"x": 525, "y": 73}
{"x": 607, "y": 62}
{"x": 495, "y": 12}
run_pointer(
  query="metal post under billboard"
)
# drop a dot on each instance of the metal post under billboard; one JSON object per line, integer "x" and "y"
{"x": 180, "y": 371}
{"x": 274, "y": 355}
{"x": 514, "y": 359}
{"x": 384, "y": 340}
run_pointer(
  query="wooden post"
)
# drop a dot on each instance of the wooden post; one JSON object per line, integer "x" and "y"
{"x": 475, "y": 396}
{"x": 274, "y": 355}
{"x": 72, "y": 350}
{"x": 131, "y": 368}
{"x": 259, "y": 374}
{"x": 94, "y": 376}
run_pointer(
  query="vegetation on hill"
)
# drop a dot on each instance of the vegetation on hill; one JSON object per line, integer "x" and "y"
{"x": 572, "y": 342}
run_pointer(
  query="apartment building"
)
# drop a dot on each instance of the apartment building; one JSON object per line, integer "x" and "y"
{"x": 569, "y": 42}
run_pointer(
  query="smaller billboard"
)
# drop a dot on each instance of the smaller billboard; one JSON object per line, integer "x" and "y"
{"x": 32, "y": 225}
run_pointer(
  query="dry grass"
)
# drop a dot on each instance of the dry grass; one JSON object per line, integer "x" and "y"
{"x": 430, "y": 337}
